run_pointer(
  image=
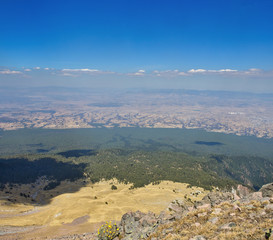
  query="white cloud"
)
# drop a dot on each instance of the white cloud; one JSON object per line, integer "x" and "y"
{"x": 76, "y": 72}
{"x": 9, "y": 72}
{"x": 228, "y": 70}
{"x": 66, "y": 74}
{"x": 170, "y": 73}
{"x": 254, "y": 70}
{"x": 140, "y": 72}
{"x": 197, "y": 70}
{"x": 136, "y": 74}
{"x": 182, "y": 74}
{"x": 80, "y": 70}
{"x": 224, "y": 71}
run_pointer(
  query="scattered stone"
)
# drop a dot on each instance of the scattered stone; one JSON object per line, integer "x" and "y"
{"x": 242, "y": 191}
{"x": 269, "y": 207}
{"x": 255, "y": 196}
{"x": 215, "y": 198}
{"x": 205, "y": 206}
{"x": 138, "y": 225}
{"x": 250, "y": 207}
{"x": 213, "y": 220}
{"x": 177, "y": 209}
{"x": 263, "y": 213}
{"x": 192, "y": 208}
{"x": 199, "y": 237}
{"x": 217, "y": 211}
{"x": 178, "y": 206}
{"x": 202, "y": 214}
{"x": 167, "y": 231}
{"x": 228, "y": 226}
{"x": 197, "y": 224}
{"x": 236, "y": 197}
{"x": 237, "y": 208}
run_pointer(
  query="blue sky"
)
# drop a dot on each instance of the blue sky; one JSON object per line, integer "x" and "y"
{"x": 121, "y": 37}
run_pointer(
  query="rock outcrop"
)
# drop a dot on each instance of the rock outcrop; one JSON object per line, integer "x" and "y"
{"x": 267, "y": 190}
{"x": 138, "y": 225}
{"x": 227, "y": 212}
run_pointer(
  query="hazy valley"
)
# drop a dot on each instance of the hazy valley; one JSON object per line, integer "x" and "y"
{"x": 60, "y": 108}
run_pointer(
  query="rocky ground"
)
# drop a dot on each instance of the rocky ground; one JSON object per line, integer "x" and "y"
{"x": 219, "y": 215}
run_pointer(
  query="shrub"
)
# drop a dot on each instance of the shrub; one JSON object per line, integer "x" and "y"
{"x": 114, "y": 187}
{"x": 108, "y": 231}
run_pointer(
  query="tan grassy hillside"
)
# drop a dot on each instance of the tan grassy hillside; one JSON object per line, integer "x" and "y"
{"x": 95, "y": 203}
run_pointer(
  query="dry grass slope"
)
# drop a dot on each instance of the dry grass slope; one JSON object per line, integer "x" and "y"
{"x": 96, "y": 203}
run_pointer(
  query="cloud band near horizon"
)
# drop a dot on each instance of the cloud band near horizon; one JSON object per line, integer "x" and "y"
{"x": 157, "y": 73}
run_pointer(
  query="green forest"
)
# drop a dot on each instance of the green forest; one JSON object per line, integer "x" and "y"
{"x": 137, "y": 156}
